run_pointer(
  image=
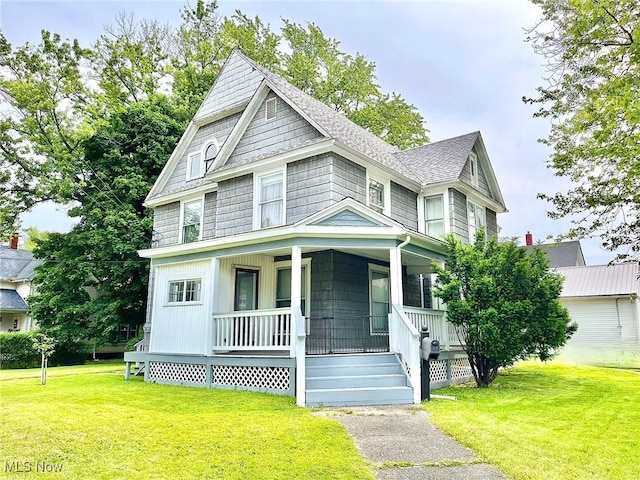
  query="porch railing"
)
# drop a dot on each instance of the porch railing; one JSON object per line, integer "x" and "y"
{"x": 436, "y": 323}
{"x": 406, "y": 342}
{"x": 347, "y": 334}
{"x": 253, "y": 330}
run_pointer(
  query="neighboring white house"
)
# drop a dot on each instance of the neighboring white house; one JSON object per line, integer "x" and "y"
{"x": 603, "y": 301}
{"x": 16, "y": 271}
{"x": 293, "y": 249}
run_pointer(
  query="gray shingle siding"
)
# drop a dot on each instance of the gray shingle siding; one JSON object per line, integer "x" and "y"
{"x": 404, "y": 206}
{"x": 349, "y": 180}
{"x": 459, "y": 225}
{"x": 219, "y": 130}
{"x": 234, "y": 206}
{"x": 166, "y": 224}
{"x": 262, "y": 137}
{"x": 237, "y": 83}
{"x": 483, "y": 184}
{"x": 308, "y": 187}
{"x": 209, "y": 221}
{"x": 411, "y": 289}
{"x": 492, "y": 222}
{"x": 317, "y": 182}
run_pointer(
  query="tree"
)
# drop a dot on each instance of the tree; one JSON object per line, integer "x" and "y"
{"x": 592, "y": 49}
{"x": 88, "y": 126}
{"x": 45, "y": 346}
{"x": 504, "y": 303}
{"x": 34, "y": 235}
{"x": 99, "y": 255}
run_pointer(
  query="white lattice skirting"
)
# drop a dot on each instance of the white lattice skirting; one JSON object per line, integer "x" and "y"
{"x": 263, "y": 378}
{"x": 449, "y": 371}
{"x": 184, "y": 373}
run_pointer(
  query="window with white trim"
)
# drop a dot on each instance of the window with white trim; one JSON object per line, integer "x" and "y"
{"x": 270, "y": 111}
{"x": 194, "y": 166}
{"x": 477, "y": 219}
{"x": 210, "y": 152}
{"x": 473, "y": 168}
{"x": 283, "y": 288}
{"x": 185, "y": 291}
{"x": 376, "y": 195}
{"x": 191, "y": 221}
{"x": 434, "y": 215}
{"x": 270, "y": 200}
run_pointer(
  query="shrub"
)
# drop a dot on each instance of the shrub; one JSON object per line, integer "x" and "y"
{"x": 16, "y": 351}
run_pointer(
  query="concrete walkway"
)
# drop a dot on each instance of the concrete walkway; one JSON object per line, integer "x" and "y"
{"x": 402, "y": 444}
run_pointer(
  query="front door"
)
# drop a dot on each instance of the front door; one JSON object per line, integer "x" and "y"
{"x": 246, "y": 291}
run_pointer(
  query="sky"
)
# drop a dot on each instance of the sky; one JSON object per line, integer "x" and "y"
{"x": 463, "y": 64}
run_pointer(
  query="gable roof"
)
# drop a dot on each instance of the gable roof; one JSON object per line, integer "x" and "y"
{"x": 11, "y": 301}
{"x": 331, "y": 123}
{"x": 442, "y": 161}
{"x": 562, "y": 254}
{"x": 16, "y": 264}
{"x": 600, "y": 280}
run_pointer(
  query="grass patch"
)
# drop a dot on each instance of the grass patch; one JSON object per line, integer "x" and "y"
{"x": 96, "y": 425}
{"x": 550, "y": 422}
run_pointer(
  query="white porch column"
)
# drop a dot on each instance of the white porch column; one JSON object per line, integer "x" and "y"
{"x": 299, "y": 339}
{"x": 296, "y": 273}
{"x": 212, "y": 300}
{"x": 395, "y": 276}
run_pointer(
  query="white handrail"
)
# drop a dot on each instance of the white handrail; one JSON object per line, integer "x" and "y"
{"x": 407, "y": 344}
{"x": 253, "y": 330}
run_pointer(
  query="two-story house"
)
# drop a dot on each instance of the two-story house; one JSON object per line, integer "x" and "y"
{"x": 293, "y": 249}
{"x": 16, "y": 272}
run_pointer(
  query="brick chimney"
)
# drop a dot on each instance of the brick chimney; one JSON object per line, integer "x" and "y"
{"x": 528, "y": 238}
{"x": 13, "y": 242}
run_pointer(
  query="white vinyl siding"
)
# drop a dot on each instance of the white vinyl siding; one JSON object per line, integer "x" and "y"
{"x": 181, "y": 327}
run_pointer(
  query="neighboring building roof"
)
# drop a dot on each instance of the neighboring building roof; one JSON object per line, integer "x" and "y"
{"x": 441, "y": 161}
{"x": 600, "y": 280}
{"x": 11, "y": 301}
{"x": 562, "y": 254}
{"x": 16, "y": 264}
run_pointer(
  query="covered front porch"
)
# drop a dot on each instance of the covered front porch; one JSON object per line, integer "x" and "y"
{"x": 319, "y": 289}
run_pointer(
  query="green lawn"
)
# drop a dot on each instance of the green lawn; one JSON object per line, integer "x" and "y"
{"x": 550, "y": 422}
{"x": 95, "y": 425}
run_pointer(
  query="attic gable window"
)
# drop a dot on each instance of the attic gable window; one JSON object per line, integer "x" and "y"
{"x": 270, "y": 109}
{"x": 473, "y": 168}
{"x": 210, "y": 153}
{"x": 194, "y": 166}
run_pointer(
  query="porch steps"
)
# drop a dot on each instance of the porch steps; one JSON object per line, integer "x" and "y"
{"x": 358, "y": 379}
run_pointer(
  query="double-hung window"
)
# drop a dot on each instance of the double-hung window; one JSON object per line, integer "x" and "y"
{"x": 184, "y": 291}
{"x": 434, "y": 215}
{"x": 376, "y": 195}
{"x": 191, "y": 221}
{"x": 270, "y": 195}
{"x": 477, "y": 219}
